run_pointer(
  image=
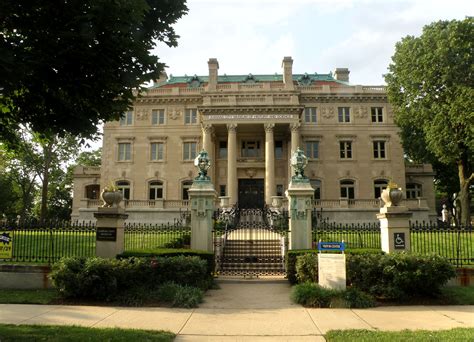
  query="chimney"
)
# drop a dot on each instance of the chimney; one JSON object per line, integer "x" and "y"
{"x": 287, "y": 66}
{"x": 213, "y": 67}
{"x": 162, "y": 79}
{"x": 342, "y": 74}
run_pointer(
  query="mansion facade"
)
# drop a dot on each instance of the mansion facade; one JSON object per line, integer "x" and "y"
{"x": 250, "y": 125}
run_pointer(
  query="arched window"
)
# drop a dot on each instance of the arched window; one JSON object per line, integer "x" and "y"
{"x": 413, "y": 190}
{"x": 155, "y": 190}
{"x": 347, "y": 189}
{"x": 316, "y": 184}
{"x": 92, "y": 191}
{"x": 186, "y": 185}
{"x": 124, "y": 187}
{"x": 379, "y": 185}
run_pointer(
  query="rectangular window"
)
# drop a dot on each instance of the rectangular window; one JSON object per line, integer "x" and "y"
{"x": 223, "y": 149}
{"x": 250, "y": 149}
{"x": 158, "y": 117}
{"x": 221, "y": 190}
{"x": 345, "y": 149}
{"x": 312, "y": 149}
{"x": 278, "y": 149}
{"x": 124, "y": 151}
{"x": 126, "y": 119}
{"x": 157, "y": 151}
{"x": 310, "y": 114}
{"x": 344, "y": 114}
{"x": 377, "y": 114}
{"x": 190, "y": 116}
{"x": 279, "y": 190}
{"x": 379, "y": 149}
{"x": 189, "y": 150}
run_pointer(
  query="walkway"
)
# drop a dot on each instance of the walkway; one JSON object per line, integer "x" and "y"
{"x": 245, "y": 311}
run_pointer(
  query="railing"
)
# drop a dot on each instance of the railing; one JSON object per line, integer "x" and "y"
{"x": 365, "y": 235}
{"x": 48, "y": 242}
{"x": 150, "y": 236}
{"x": 158, "y": 204}
{"x": 373, "y": 204}
{"x": 455, "y": 243}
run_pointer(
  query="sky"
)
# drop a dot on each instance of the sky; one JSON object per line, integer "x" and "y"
{"x": 253, "y": 36}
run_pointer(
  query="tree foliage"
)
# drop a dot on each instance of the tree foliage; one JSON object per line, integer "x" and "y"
{"x": 431, "y": 87}
{"x": 66, "y": 66}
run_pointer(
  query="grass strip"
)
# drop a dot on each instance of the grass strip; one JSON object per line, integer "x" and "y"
{"x": 458, "y": 295}
{"x": 19, "y": 333}
{"x": 40, "y": 296}
{"x": 452, "y": 335}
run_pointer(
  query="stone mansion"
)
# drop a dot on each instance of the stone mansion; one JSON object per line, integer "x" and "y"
{"x": 250, "y": 125}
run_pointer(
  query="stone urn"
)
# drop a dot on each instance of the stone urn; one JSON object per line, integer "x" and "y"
{"x": 111, "y": 198}
{"x": 392, "y": 195}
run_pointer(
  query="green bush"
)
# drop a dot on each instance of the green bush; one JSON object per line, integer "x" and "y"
{"x": 180, "y": 296}
{"x": 292, "y": 256}
{"x": 170, "y": 252}
{"x": 307, "y": 268}
{"x": 356, "y": 298}
{"x": 313, "y": 295}
{"x": 179, "y": 242}
{"x": 399, "y": 275}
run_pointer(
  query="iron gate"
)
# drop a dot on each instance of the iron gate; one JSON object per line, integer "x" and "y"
{"x": 250, "y": 241}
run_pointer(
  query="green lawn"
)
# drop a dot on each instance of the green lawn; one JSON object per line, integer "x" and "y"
{"x": 453, "y": 335}
{"x": 459, "y": 295}
{"x": 40, "y": 296}
{"x": 25, "y": 333}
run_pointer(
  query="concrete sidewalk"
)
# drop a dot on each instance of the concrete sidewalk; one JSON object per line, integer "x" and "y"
{"x": 245, "y": 311}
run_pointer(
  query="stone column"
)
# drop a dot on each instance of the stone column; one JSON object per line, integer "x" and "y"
{"x": 202, "y": 197}
{"x": 110, "y": 231}
{"x": 295, "y": 136}
{"x": 208, "y": 146}
{"x": 269, "y": 164}
{"x": 232, "y": 163}
{"x": 395, "y": 228}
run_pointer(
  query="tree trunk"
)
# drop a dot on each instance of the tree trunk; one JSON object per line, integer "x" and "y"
{"x": 45, "y": 183}
{"x": 464, "y": 198}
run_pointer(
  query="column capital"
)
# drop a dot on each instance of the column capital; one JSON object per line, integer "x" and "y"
{"x": 269, "y": 127}
{"x": 294, "y": 127}
{"x": 232, "y": 128}
{"x": 207, "y": 128}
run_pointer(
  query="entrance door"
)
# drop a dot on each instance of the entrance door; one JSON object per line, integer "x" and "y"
{"x": 251, "y": 193}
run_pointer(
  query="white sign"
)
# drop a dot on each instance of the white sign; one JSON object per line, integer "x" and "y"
{"x": 332, "y": 270}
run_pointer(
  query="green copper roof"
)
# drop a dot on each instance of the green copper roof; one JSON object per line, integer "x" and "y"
{"x": 303, "y": 79}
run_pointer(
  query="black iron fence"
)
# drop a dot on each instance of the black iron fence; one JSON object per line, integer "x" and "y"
{"x": 364, "y": 235}
{"x": 46, "y": 242}
{"x": 139, "y": 236}
{"x": 455, "y": 243}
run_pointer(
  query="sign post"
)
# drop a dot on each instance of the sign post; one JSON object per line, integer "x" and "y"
{"x": 332, "y": 266}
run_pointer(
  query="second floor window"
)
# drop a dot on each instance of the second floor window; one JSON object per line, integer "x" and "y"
{"x": 344, "y": 114}
{"x": 190, "y": 116}
{"x": 156, "y": 150}
{"x": 377, "y": 114}
{"x": 310, "y": 114}
{"x": 278, "y": 149}
{"x": 345, "y": 149}
{"x": 158, "y": 117}
{"x": 189, "y": 150}
{"x": 250, "y": 149}
{"x": 124, "y": 151}
{"x": 223, "y": 149}
{"x": 126, "y": 119}
{"x": 379, "y": 150}
{"x": 312, "y": 149}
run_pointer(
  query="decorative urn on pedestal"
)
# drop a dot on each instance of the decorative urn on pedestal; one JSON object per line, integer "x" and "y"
{"x": 111, "y": 196}
{"x": 203, "y": 163}
{"x": 392, "y": 195}
{"x": 299, "y": 161}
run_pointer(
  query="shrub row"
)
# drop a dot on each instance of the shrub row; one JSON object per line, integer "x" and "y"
{"x": 391, "y": 276}
{"x": 292, "y": 256}
{"x": 110, "y": 279}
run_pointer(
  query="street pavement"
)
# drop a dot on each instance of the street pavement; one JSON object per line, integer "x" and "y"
{"x": 244, "y": 310}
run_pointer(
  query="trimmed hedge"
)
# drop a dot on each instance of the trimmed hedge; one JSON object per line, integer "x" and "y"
{"x": 171, "y": 252}
{"x": 292, "y": 256}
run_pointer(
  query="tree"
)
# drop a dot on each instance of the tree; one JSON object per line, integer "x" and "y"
{"x": 67, "y": 65}
{"x": 430, "y": 85}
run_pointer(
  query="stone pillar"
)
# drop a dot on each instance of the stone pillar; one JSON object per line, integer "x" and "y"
{"x": 300, "y": 196}
{"x": 202, "y": 197}
{"x": 295, "y": 136}
{"x": 232, "y": 163}
{"x": 269, "y": 164}
{"x": 395, "y": 228}
{"x": 110, "y": 231}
